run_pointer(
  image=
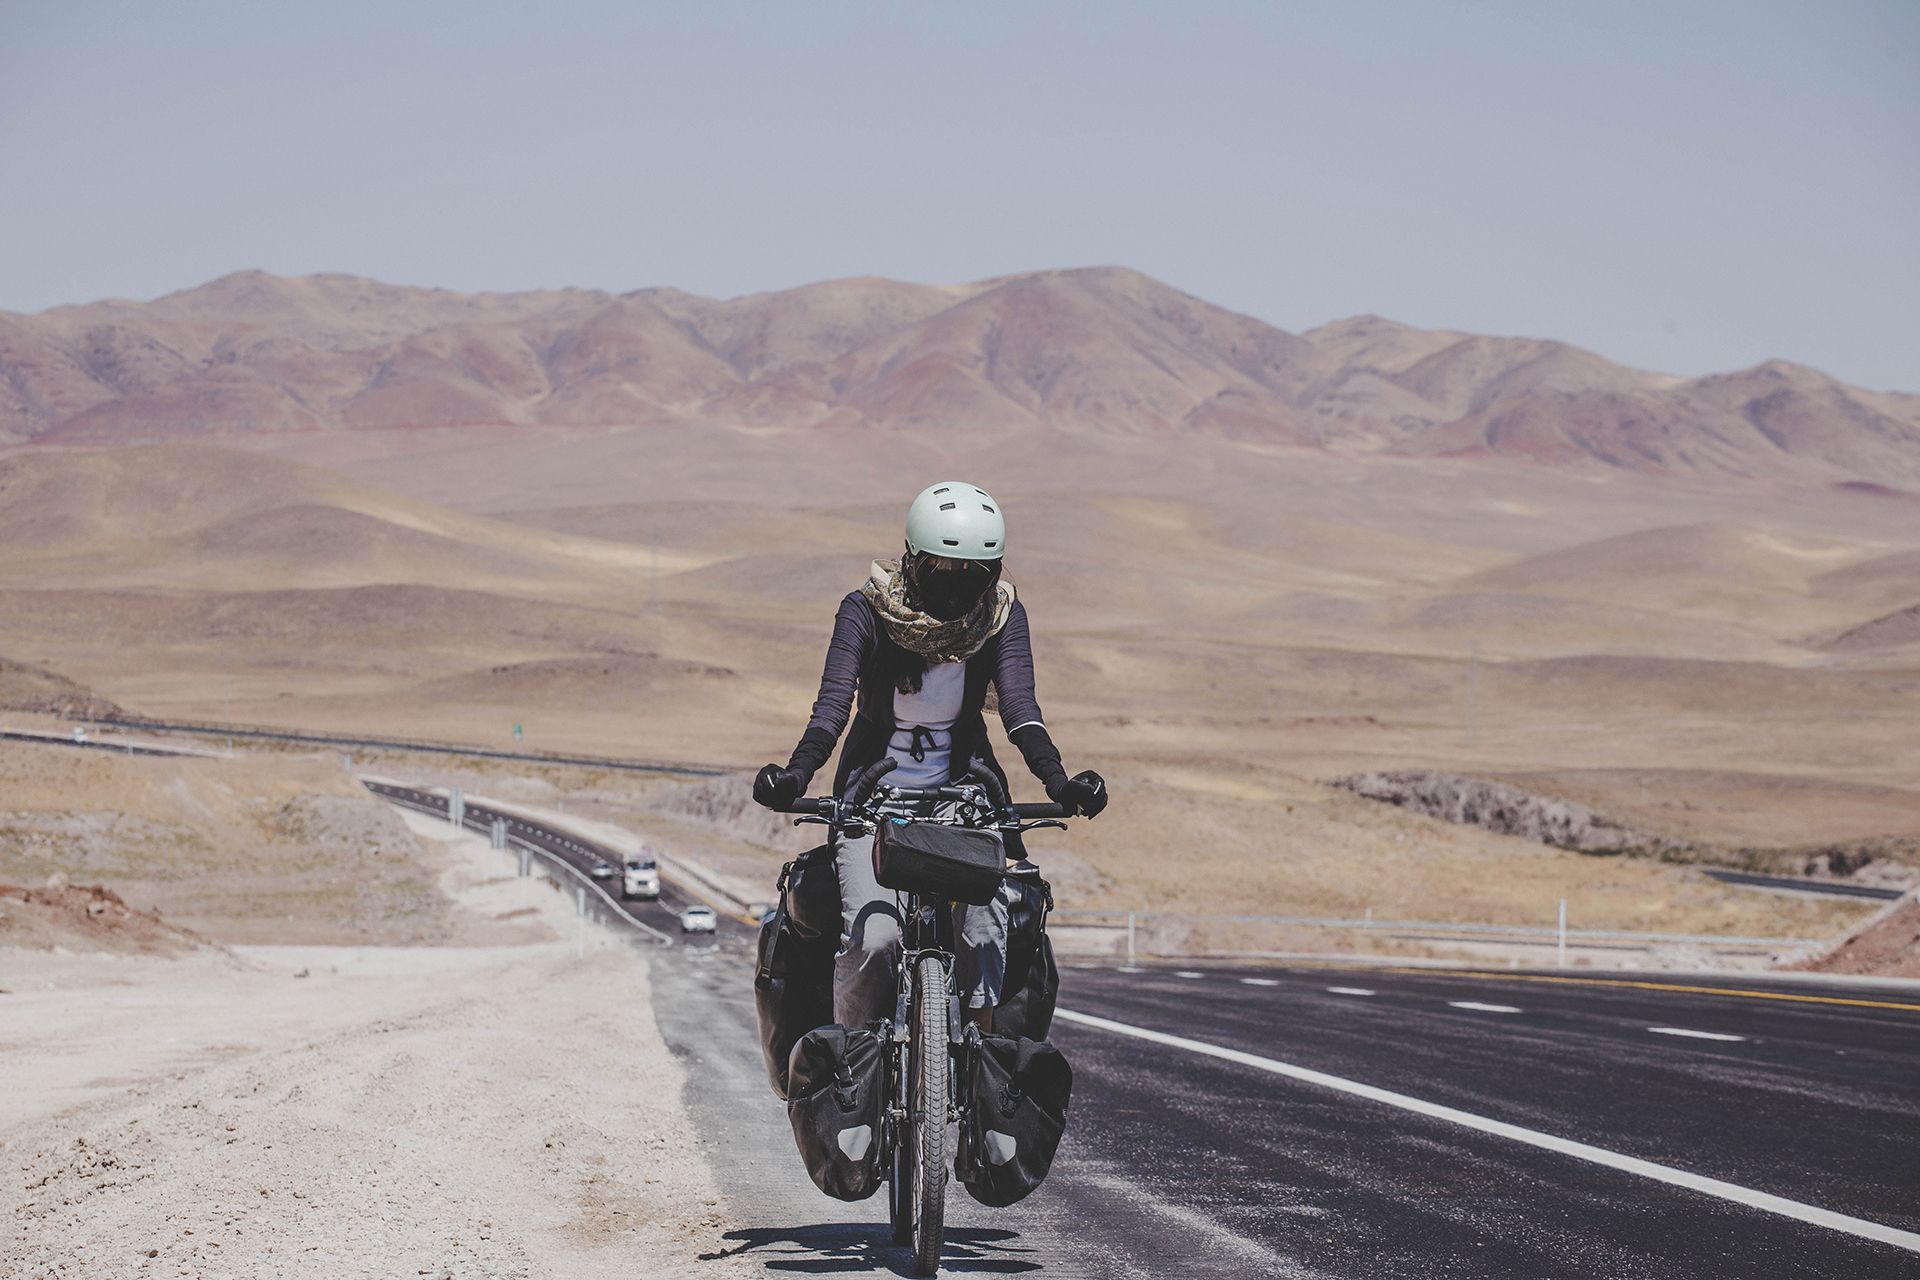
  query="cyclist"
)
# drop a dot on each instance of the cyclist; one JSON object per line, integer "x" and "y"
{"x": 919, "y": 643}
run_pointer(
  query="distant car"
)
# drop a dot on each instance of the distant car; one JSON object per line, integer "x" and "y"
{"x": 79, "y": 734}
{"x": 699, "y": 920}
{"x": 641, "y": 878}
{"x": 602, "y": 869}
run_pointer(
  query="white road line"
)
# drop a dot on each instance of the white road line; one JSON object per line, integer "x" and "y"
{"x": 1695, "y": 1035}
{"x": 1762, "y": 1200}
{"x": 1188, "y": 973}
{"x": 1477, "y": 1007}
{"x": 1351, "y": 991}
{"x": 1129, "y": 968}
{"x": 1261, "y": 982}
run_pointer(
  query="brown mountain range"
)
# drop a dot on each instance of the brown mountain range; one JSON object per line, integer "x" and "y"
{"x": 1100, "y": 349}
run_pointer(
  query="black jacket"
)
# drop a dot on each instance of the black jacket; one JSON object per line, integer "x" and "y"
{"x": 860, "y": 659}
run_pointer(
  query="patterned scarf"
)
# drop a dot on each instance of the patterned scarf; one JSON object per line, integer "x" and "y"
{"x": 917, "y": 632}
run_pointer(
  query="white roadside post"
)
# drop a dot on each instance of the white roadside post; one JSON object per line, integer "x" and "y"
{"x": 456, "y": 807}
{"x": 1563, "y": 933}
{"x": 580, "y": 907}
{"x": 1130, "y": 940}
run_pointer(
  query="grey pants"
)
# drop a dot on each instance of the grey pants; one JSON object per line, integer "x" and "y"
{"x": 866, "y": 971}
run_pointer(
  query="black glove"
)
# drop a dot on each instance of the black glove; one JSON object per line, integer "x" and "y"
{"x": 776, "y": 788}
{"x": 1084, "y": 793}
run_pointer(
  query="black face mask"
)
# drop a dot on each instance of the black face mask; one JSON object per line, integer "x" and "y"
{"x": 949, "y": 593}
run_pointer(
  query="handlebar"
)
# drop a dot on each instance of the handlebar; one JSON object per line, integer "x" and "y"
{"x": 828, "y": 807}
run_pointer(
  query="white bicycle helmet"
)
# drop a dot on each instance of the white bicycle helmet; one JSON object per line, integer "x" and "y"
{"x": 957, "y": 520}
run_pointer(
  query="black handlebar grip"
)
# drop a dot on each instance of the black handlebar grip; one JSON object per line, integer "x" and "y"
{"x": 868, "y": 779}
{"x": 996, "y": 794}
{"x": 1047, "y": 809}
{"x": 807, "y": 805}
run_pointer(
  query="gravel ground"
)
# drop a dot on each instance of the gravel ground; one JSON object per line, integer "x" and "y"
{"x": 497, "y": 1111}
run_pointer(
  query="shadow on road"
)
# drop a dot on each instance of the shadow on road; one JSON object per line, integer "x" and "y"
{"x": 848, "y": 1248}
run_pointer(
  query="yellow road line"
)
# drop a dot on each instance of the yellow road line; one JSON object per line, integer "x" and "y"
{"x": 1794, "y": 997}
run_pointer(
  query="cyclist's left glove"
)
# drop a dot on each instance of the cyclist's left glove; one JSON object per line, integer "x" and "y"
{"x": 1084, "y": 793}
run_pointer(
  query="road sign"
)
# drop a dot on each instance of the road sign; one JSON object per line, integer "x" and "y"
{"x": 516, "y": 733}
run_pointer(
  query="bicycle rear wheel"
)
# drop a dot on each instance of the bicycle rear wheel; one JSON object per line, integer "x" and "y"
{"x": 927, "y": 1108}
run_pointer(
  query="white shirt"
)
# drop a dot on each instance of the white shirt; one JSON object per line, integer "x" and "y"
{"x": 933, "y": 709}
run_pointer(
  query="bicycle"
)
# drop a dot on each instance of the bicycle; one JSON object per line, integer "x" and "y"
{"x": 921, "y": 1099}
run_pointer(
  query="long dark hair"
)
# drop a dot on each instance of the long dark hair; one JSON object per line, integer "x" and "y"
{"x": 904, "y": 669}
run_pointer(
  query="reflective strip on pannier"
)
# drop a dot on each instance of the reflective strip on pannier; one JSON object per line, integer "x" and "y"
{"x": 1017, "y": 1098}
{"x": 838, "y": 1080}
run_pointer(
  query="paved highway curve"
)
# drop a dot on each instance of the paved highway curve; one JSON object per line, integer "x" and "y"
{"x": 660, "y": 919}
{"x": 1190, "y": 1163}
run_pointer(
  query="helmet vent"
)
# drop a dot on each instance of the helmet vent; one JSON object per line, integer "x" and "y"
{"x": 951, "y": 542}
{"x": 991, "y": 544}
{"x": 942, "y": 489}
{"x": 989, "y": 510}
{"x": 948, "y": 506}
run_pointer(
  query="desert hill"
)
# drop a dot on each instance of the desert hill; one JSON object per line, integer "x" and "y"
{"x": 1093, "y": 350}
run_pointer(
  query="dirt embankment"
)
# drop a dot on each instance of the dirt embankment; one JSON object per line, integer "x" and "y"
{"x": 25, "y": 687}
{"x": 1565, "y": 824}
{"x": 1499, "y": 807}
{"x": 1888, "y": 947}
{"x": 85, "y": 918}
{"x": 272, "y": 848}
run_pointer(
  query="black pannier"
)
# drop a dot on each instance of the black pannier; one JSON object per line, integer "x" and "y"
{"x": 1018, "y": 1092}
{"x": 793, "y": 983}
{"x": 1032, "y": 982}
{"x": 1027, "y": 1009}
{"x": 812, "y": 896}
{"x": 961, "y": 863}
{"x": 839, "y": 1084}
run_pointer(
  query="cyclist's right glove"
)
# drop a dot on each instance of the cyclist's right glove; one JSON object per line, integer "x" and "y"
{"x": 776, "y": 788}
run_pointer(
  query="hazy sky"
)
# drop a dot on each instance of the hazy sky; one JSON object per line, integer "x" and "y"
{"x": 1681, "y": 186}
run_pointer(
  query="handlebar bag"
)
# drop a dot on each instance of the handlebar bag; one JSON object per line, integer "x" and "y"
{"x": 964, "y": 864}
{"x": 1018, "y": 1092}
{"x": 838, "y": 1080}
{"x": 793, "y": 982}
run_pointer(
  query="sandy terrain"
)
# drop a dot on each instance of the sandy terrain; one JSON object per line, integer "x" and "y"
{"x": 350, "y": 1111}
{"x": 1221, "y": 627}
{"x": 280, "y": 848}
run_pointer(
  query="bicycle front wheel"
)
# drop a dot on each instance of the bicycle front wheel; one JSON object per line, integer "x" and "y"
{"x": 928, "y": 1109}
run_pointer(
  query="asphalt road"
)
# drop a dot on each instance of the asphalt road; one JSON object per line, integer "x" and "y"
{"x": 661, "y": 916}
{"x": 1531, "y": 1125}
{"x": 1181, "y": 1163}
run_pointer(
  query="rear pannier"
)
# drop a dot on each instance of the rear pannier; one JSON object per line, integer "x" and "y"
{"x": 964, "y": 864}
{"x": 837, "y": 1079}
{"x": 1017, "y": 1096}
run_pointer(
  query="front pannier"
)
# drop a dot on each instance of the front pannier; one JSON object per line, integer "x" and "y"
{"x": 1018, "y": 1092}
{"x": 793, "y": 982}
{"x": 838, "y": 1081}
{"x": 1026, "y": 1009}
{"x": 964, "y": 864}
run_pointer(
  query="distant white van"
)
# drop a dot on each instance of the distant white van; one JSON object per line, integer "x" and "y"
{"x": 640, "y": 877}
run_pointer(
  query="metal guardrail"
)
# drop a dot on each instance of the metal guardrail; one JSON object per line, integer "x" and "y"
{"x": 217, "y": 730}
{"x": 1120, "y": 920}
